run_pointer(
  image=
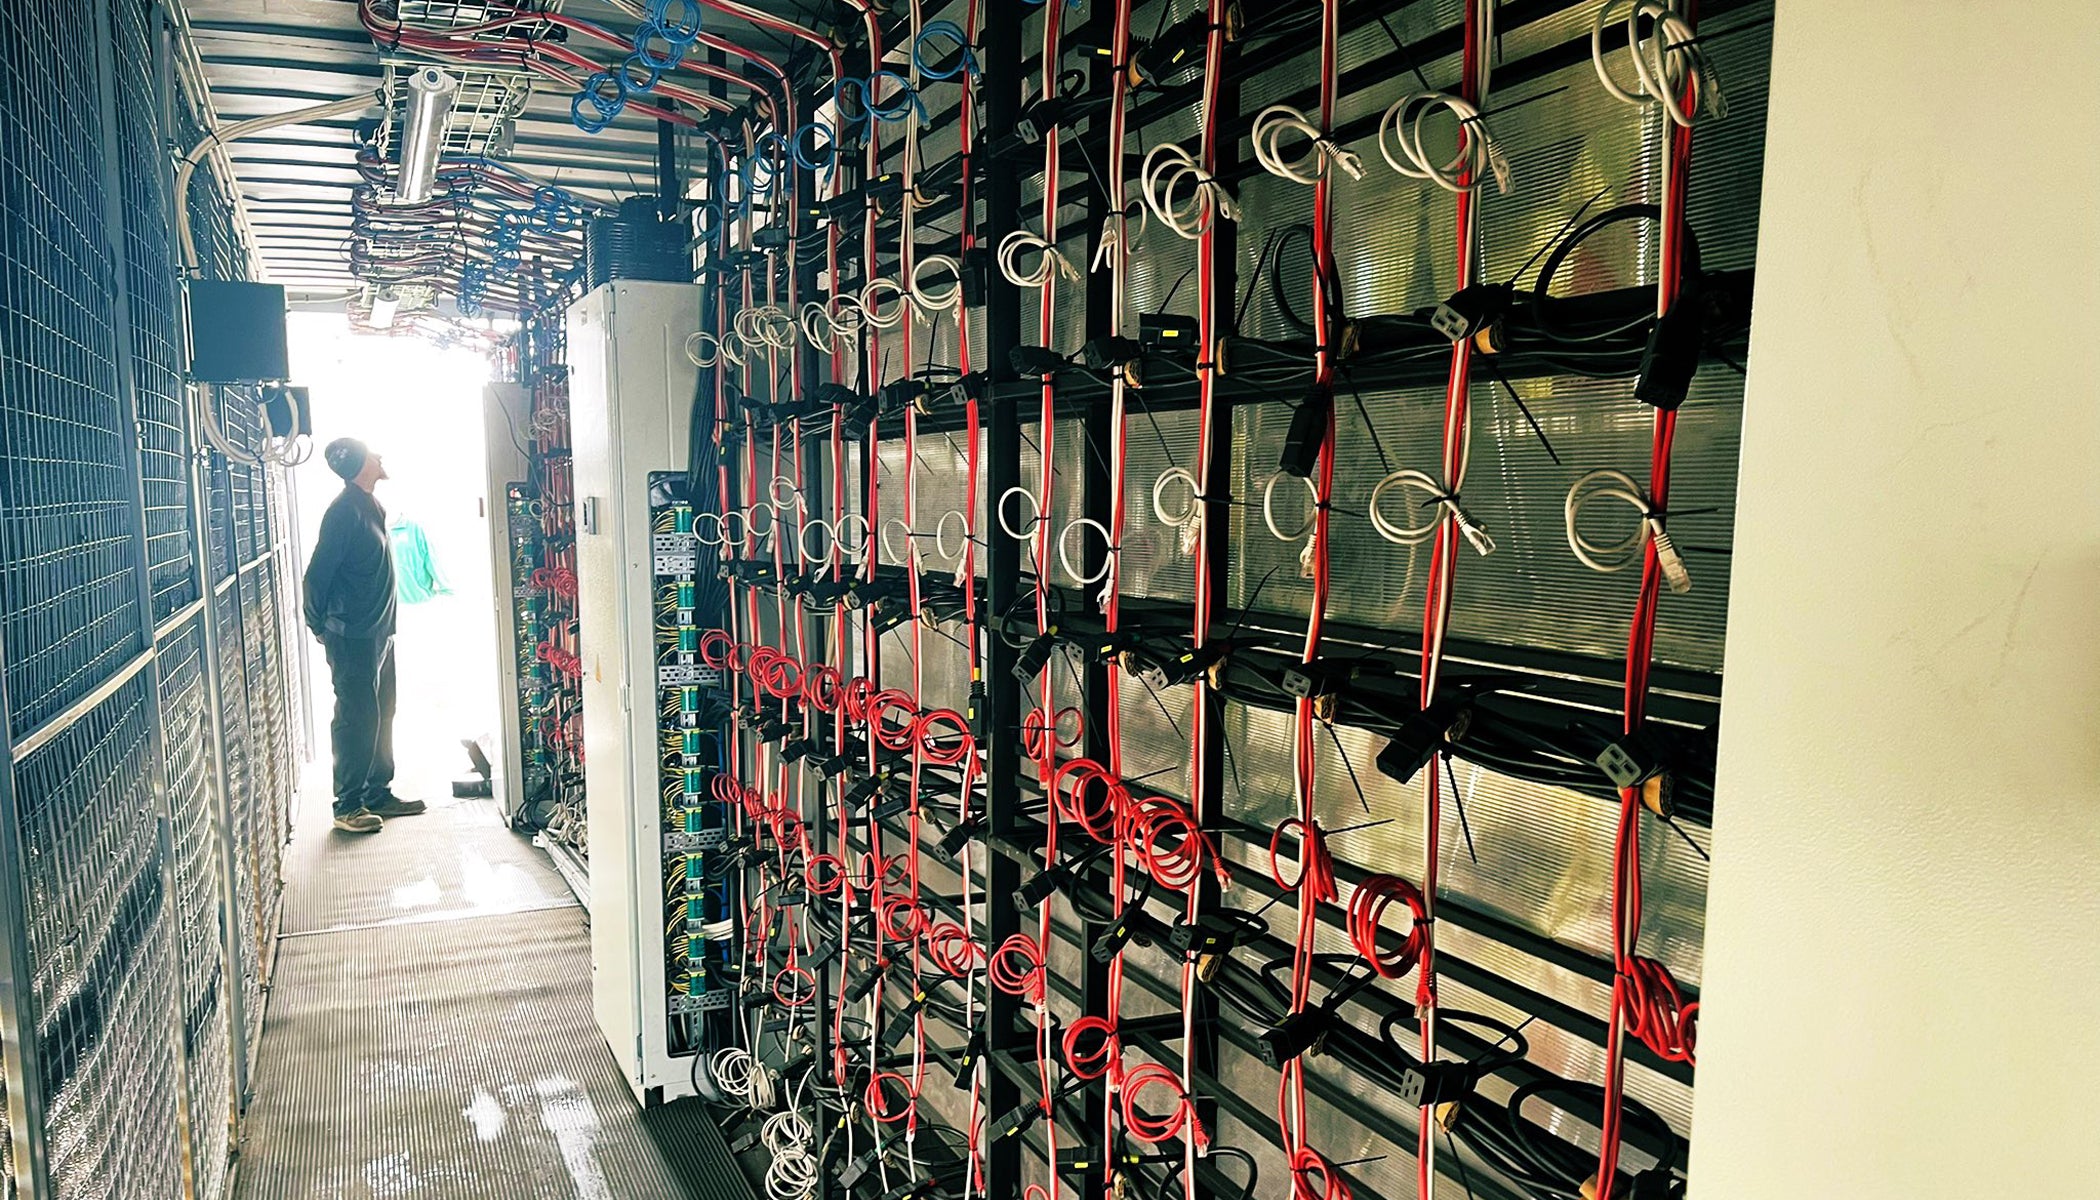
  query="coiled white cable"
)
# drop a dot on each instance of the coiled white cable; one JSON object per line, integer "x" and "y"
{"x": 699, "y": 342}
{"x": 1066, "y": 545}
{"x": 911, "y": 542}
{"x": 1168, "y": 171}
{"x": 702, "y": 538}
{"x": 1608, "y": 484}
{"x": 830, "y": 542}
{"x": 823, "y": 326}
{"x": 1051, "y": 263}
{"x": 742, "y": 537}
{"x": 794, "y": 494}
{"x": 753, "y": 532}
{"x": 1662, "y": 61}
{"x": 939, "y": 298}
{"x": 1189, "y": 521}
{"x": 1268, "y": 507}
{"x": 1478, "y": 157}
{"x": 871, "y": 309}
{"x": 1028, "y": 530}
{"x": 952, "y": 553}
{"x": 858, "y": 547}
{"x": 1438, "y": 502}
{"x": 1116, "y": 231}
{"x": 1276, "y": 122}
{"x": 794, "y": 1171}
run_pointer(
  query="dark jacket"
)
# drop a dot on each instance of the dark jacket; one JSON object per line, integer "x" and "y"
{"x": 350, "y": 582}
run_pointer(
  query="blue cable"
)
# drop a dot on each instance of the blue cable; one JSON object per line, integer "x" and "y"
{"x": 965, "y": 61}
{"x": 858, "y": 117}
{"x": 830, "y": 149}
{"x": 681, "y": 33}
{"x": 594, "y": 123}
{"x": 897, "y": 108}
{"x": 625, "y": 76}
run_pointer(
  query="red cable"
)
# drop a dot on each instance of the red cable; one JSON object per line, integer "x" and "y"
{"x": 1016, "y": 968}
{"x": 1367, "y": 907}
{"x": 1099, "y": 1059}
{"x": 1151, "y": 1129}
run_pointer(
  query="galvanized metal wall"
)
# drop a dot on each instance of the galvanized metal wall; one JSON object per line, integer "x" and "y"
{"x": 148, "y": 706}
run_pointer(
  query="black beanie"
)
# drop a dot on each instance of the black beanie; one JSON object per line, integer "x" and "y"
{"x": 346, "y": 457}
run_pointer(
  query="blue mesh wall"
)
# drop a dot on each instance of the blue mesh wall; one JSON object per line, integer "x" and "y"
{"x": 106, "y": 988}
{"x": 193, "y": 797}
{"x": 156, "y": 316}
{"x": 68, "y": 598}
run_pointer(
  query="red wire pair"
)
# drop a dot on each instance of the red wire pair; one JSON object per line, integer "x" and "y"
{"x": 1151, "y": 1129}
{"x": 1316, "y": 873}
{"x": 1367, "y": 907}
{"x": 1016, "y": 968}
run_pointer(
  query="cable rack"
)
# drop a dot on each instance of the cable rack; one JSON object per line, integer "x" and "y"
{"x": 443, "y": 16}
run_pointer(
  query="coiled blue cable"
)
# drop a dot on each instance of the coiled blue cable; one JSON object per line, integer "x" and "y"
{"x": 681, "y": 33}
{"x": 965, "y": 61}
{"x": 810, "y": 160}
{"x": 901, "y": 107}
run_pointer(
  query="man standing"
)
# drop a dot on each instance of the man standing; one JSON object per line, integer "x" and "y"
{"x": 350, "y": 607}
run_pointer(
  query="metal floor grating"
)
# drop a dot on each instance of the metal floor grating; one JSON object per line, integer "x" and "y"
{"x": 443, "y": 1057}
{"x": 456, "y": 860}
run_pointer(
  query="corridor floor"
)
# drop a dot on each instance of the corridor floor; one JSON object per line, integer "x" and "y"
{"x": 429, "y": 1032}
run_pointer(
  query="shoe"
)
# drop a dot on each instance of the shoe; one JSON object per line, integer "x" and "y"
{"x": 364, "y": 820}
{"x": 390, "y": 805}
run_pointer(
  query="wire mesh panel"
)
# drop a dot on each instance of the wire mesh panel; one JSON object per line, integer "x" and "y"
{"x": 193, "y": 797}
{"x": 68, "y": 601}
{"x": 270, "y": 728}
{"x": 239, "y": 784}
{"x": 156, "y": 317}
{"x": 106, "y": 990}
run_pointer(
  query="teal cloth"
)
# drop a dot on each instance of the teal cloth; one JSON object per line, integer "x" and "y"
{"x": 416, "y": 577}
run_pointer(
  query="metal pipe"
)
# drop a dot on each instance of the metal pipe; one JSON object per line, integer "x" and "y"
{"x": 431, "y": 96}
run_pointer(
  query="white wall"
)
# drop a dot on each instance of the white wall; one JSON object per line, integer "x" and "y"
{"x": 1902, "y": 989}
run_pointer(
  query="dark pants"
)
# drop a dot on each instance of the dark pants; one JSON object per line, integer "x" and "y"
{"x": 363, "y": 729}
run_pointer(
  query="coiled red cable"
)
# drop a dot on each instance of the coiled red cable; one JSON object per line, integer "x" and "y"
{"x": 952, "y": 949}
{"x": 1308, "y": 1164}
{"x": 1367, "y": 907}
{"x": 1098, "y": 1058}
{"x": 1153, "y": 1129}
{"x": 1016, "y": 968}
{"x": 823, "y": 688}
{"x": 1069, "y": 786}
{"x": 879, "y": 1098}
{"x": 1316, "y": 871}
{"x": 1170, "y": 845}
{"x": 892, "y": 737}
{"x": 927, "y": 734}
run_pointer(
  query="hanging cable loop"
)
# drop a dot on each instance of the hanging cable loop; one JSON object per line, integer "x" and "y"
{"x": 1051, "y": 263}
{"x": 1437, "y": 499}
{"x": 1276, "y": 122}
{"x": 1665, "y": 60}
{"x": 1609, "y": 484}
{"x": 1184, "y": 196}
{"x": 1478, "y": 157}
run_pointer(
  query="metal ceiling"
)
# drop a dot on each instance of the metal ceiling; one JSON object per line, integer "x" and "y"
{"x": 270, "y": 56}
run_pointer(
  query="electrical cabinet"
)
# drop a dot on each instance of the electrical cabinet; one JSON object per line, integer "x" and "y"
{"x": 631, "y": 390}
